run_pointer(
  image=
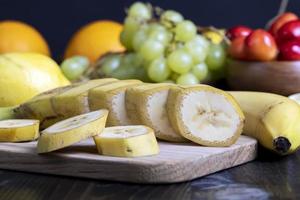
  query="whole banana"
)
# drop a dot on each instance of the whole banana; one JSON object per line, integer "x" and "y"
{"x": 272, "y": 119}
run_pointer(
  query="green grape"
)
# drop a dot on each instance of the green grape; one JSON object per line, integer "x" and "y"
{"x": 158, "y": 70}
{"x": 124, "y": 72}
{"x": 140, "y": 10}
{"x": 131, "y": 26}
{"x": 141, "y": 74}
{"x": 200, "y": 71}
{"x": 185, "y": 31}
{"x": 216, "y": 57}
{"x": 160, "y": 34}
{"x": 170, "y": 18}
{"x": 126, "y": 40}
{"x": 131, "y": 59}
{"x": 180, "y": 61}
{"x": 139, "y": 37}
{"x": 187, "y": 79}
{"x": 201, "y": 40}
{"x": 151, "y": 49}
{"x": 196, "y": 50}
{"x": 110, "y": 64}
{"x": 74, "y": 67}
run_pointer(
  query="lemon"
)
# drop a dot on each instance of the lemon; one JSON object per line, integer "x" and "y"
{"x": 24, "y": 75}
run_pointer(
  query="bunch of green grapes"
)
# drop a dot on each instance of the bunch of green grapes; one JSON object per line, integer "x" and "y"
{"x": 162, "y": 46}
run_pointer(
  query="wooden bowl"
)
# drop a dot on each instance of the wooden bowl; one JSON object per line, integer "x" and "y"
{"x": 280, "y": 77}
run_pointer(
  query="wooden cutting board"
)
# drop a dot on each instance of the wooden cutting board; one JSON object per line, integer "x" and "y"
{"x": 175, "y": 162}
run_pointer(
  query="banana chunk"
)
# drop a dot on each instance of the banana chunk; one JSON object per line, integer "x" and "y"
{"x": 127, "y": 141}
{"x": 205, "y": 115}
{"x": 72, "y": 130}
{"x": 112, "y": 98}
{"x": 19, "y": 130}
{"x": 149, "y": 104}
{"x": 75, "y": 101}
{"x": 131, "y": 102}
{"x": 40, "y": 106}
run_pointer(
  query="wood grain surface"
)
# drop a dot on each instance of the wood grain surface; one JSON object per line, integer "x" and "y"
{"x": 174, "y": 163}
{"x": 280, "y": 77}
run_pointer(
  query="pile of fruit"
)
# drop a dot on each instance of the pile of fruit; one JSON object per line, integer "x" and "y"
{"x": 162, "y": 46}
{"x": 138, "y": 112}
{"x": 280, "y": 42}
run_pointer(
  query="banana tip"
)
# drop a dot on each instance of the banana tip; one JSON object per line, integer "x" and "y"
{"x": 281, "y": 145}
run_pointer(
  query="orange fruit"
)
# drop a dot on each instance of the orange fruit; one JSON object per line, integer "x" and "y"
{"x": 95, "y": 39}
{"x": 16, "y": 36}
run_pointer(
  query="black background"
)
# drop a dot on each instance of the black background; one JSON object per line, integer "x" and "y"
{"x": 58, "y": 20}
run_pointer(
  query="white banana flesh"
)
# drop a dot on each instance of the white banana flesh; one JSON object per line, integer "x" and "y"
{"x": 150, "y": 102}
{"x": 127, "y": 141}
{"x": 205, "y": 115}
{"x": 112, "y": 98}
{"x": 72, "y": 130}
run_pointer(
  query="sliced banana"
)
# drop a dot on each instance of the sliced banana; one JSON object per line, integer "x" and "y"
{"x": 205, "y": 115}
{"x": 127, "y": 141}
{"x": 75, "y": 101}
{"x": 131, "y": 102}
{"x": 149, "y": 102}
{"x": 112, "y": 98}
{"x": 19, "y": 130}
{"x": 40, "y": 107}
{"x": 72, "y": 130}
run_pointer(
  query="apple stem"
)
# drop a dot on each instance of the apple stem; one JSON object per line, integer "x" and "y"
{"x": 282, "y": 8}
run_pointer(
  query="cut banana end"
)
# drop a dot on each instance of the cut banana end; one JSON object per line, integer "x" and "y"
{"x": 150, "y": 103}
{"x": 127, "y": 141}
{"x": 72, "y": 130}
{"x": 205, "y": 115}
{"x": 19, "y": 130}
{"x": 112, "y": 98}
{"x": 75, "y": 101}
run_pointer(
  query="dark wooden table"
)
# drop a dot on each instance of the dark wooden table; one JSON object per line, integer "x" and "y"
{"x": 265, "y": 178}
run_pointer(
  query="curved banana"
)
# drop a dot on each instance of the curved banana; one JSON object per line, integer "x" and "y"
{"x": 272, "y": 119}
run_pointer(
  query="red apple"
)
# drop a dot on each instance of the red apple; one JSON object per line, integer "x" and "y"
{"x": 289, "y": 31}
{"x": 238, "y": 31}
{"x": 290, "y": 50}
{"x": 237, "y": 48}
{"x": 260, "y": 46}
{"x": 280, "y": 21}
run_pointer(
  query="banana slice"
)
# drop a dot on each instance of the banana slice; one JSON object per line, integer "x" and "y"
{"x": 75, "y": 101}
{"x": 149, "y": 103}
{"x": 40, "y": 107}
{"x": 131, "y": 102}
{"x": 72, "y": 130}
{"x": 19, "y": 130}
{"x": 112, "y": 98}
{"x": 127, "y": 141}
{"x": 205, "y": 115}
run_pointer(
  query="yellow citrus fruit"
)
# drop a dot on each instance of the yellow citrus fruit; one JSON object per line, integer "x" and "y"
{"x": 16, "y": 36}
{"x": 95, "y": 39}
{"x": 24, "y": 75}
